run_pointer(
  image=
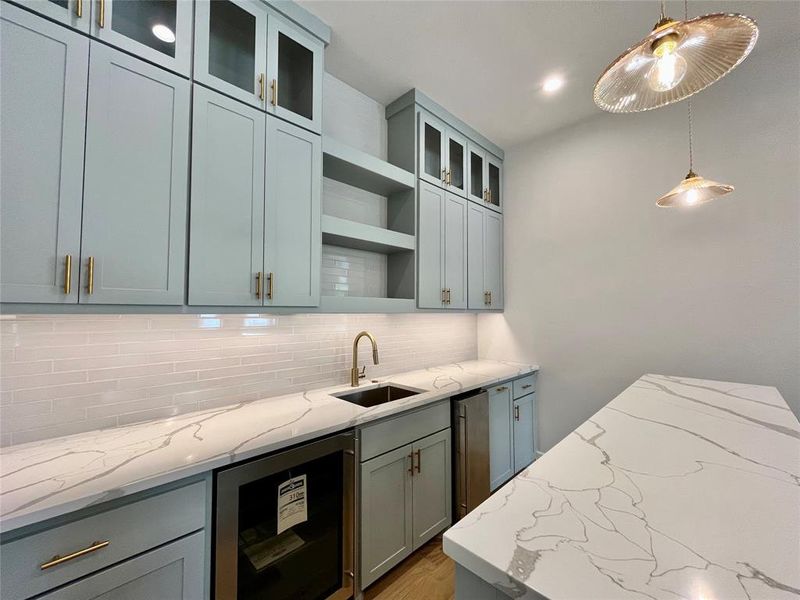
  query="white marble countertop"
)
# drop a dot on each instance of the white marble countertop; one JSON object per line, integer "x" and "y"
{"x": 678, "y": 488}
{"x": 45, "y": 479}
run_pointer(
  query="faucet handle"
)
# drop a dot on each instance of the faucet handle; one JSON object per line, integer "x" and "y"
{"x": 362, "y": 373}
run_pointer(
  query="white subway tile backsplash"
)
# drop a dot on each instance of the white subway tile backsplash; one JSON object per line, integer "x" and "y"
{"x": 72, "y": 373}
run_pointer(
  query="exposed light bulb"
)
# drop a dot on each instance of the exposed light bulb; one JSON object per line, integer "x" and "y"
{"x": 669, "y": 68}
{"x": 553, "y": 84}
{"x": 691, "y": 197}
{"x": 164, "y": 33}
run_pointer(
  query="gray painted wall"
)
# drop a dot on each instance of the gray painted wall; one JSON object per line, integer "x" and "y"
{"x": 603, "y": 286}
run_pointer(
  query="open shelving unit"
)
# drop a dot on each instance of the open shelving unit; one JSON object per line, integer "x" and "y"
{"x": 387, "y": 243}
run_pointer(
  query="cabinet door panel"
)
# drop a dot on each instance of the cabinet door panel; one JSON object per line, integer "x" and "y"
{"x": 430, "y": 246}
{"x": 294, "y": 70}
{"x": 432, "y": 486}
{"x": 456, "y": 163}
{"x": 493, "y": 253}
{"x": 432, "y": 165}
{"x": 227, "y": 209}
{"x": 293, "y": 239}
{"x": 501, "y": 436}
{"x": 160, "y": 32}
{"x": 455, "y": 252}
{"x": 386, "y": 513}
{"x": 134, "y": 209}
{"x": 230, "y": 53}
{"x": 42, "y": 121}
{"x": 523, "y": 432}
{"x": 171, "y": 572}
{"x": 476, "y": 294}
{"x": 73, "y": 13}
{"x": 494, "y": 183}
{"x": 476, "y": 168}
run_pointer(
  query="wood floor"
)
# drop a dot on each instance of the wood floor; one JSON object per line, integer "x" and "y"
{"x": 428, "y": 574}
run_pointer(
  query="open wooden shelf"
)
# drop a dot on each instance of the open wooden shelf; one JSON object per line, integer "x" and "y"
{"x": 351, "y": 234}
{"x": 359, "y": 169}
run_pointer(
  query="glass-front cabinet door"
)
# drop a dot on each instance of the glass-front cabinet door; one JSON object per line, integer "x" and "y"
{"x": 432, "y": 149}
{"x": 74, "y": 13}
{"x": 456, "y": 176}
{"x": 494, "y": 183}
{"x": 476, "y": 166}
{"x": 231, "y": 49}
{"x": 295, "y": 67}
{"x": 157, "y": 30}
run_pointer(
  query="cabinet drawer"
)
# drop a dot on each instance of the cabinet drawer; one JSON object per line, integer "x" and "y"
{"x": 399, "y": 431}
{"x": 129, "y": 530}
{"x": 524, "y": 385}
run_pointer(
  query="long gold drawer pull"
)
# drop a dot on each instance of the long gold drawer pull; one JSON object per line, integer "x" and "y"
{"x": 79, "y": 8}
{"x": 90, "y": 283}
{"x": 419, "y": 461}
{"x": 59, "y": 560}
{"x": 261, "y": 79}
{"x": 527, "y": 385}
{"x": 259, "y": 284}
{"x": 274, "y": 87}
{"x": 68, "y": 274}
{"x": 101, "y": 18}
{"x": 270, "y": 284}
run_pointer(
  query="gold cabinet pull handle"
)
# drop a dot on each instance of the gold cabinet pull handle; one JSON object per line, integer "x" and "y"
{"x": 490, "y": 298}
{"x": 58, "y": 560}
{"x": 502, "y": 388}
{"x": 411, "y": 468}
{"x": 67, "y": 274}
{"x": 516, "y": 412}
{"x": 79, "y": 8}
{"x": 526, "y": 386}
{"x": 90, "y": 273}
{"x": 261, "y": 82}
{"x": 444, "y": 295}
{"x": 270, "y": 284}
{"x": 101, "y": 18}
{"x": 448, "y": 296}
{"x": 274, "y": 87}
{"x": 447, "y": 177}
{"x": 259, "y": 284}
{"x": 419, "y": 461}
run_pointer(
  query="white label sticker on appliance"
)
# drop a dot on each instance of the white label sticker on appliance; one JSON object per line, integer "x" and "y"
{"x": 292, "y": 507}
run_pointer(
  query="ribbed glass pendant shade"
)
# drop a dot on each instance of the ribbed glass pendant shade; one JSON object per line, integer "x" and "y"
{"x": 693, "y": 190}
{"x": 677, "y": 60}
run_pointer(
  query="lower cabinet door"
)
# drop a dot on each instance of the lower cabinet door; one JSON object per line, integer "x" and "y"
{"x": 135, "y": 183}
{"x": 174, "y": 571}
{"x": 432, "y": 486}
{"x": 501, "y": 436}
{"x": 226, "y": 235}
{"x": 386, "y": 515}
{"x": 292, "y": 233}
{"x": 523, "y": 432}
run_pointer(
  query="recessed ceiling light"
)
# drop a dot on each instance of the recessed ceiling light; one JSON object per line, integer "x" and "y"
{"x": 164, "y": 33}
{"x": 552, "y": 84}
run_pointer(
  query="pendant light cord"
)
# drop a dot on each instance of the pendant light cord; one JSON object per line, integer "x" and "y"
{"x": 691, "y": 157}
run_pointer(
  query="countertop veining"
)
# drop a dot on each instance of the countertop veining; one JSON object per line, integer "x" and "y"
{"x": 678, "y": 488}
{"x": 45, "y": 479}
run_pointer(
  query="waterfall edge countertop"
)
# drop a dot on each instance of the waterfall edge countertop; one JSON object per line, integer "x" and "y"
{"x": 41, "y": 480}
{"x": 678, "y": 488}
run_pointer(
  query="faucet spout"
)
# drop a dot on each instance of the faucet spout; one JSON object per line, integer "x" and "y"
{"x": 354, "y": 373}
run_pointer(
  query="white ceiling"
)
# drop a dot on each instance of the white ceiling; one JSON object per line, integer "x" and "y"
{"x": 485, "y": 61}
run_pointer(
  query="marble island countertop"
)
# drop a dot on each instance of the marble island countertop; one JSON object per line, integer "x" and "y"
{"x": 678, "y": 488}
{"x": 46, "y": 479}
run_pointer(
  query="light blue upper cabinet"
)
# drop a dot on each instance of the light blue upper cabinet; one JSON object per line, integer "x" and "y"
{"x": 477, "y": 298}
{"x": 494, "y": 183}
{"x": 294, "y": 71}
{"x": 43, "y": 79}
{"x": 160, "y": 31}
{"x": 477, "y": 190}
{"x": 455, "y": 251}
{"x": 292, "y": 232}
{"x": 432, "y": 150}
{"x": 430, "y": 247}
{"x": 73, "y": 13}
{"x": 135, "y": 187}
{"x": 493, "y": 258}
{"x": 226, "y": 254}
{"x": 456, "y": 162}
{"x": 231, "y": 48}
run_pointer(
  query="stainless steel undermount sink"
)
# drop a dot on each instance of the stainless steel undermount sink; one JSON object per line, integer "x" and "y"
{"x": 386, "y": 392}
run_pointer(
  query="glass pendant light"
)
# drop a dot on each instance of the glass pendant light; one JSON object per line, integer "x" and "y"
{"x": 677, "y": 60}
{"x": 694, "y": 189}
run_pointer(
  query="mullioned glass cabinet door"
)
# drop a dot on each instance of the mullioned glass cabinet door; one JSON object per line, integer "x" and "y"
{"x": 494, "y": 183}
{"x": 295, "y": 67}
{"x": 159, "y": 31}
{"x": 456, "y": 176}
{"x": 73, "y": 13}
{"x": 476, "y": 167}
{"x": 432, "y": 150}
{"x": 231, "y": 49}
